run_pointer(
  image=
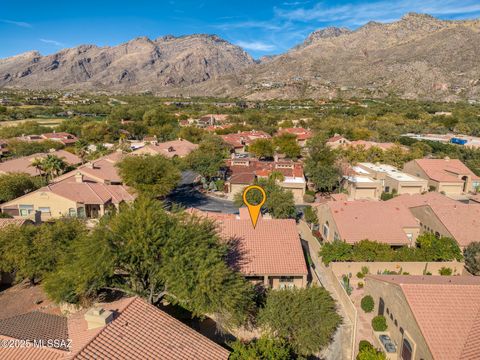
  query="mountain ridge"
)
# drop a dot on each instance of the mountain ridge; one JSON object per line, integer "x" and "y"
{"x": 418, "y": 56}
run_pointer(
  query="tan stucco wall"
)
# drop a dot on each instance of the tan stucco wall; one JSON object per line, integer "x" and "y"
{"x": 298, "y": 282}
{"x": 324, "y": 214}
{"x": 399, "y": 309}
{"x": 59, "y": 206}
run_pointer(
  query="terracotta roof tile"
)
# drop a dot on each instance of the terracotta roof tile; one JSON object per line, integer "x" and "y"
{"x": 244, "y": 138}
{"x": 8, "y": 222}
{"x": 24, "y": 164}
{"x": 380, "y": 221}
{"x": 445, "y": 169}
{"x": 169, "y": 149}
{"x": 273, "y": 247}
{"x": 447, "y": 312}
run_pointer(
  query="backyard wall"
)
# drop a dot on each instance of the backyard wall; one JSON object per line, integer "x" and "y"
{"x": 413, "y": 268}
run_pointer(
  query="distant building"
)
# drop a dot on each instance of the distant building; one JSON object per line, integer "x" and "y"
{"x": 239, "y": 141}
{"x": 301, "y": 134}
{"x": 242, "y": 172}
{"x": 62, "y": 137}
{"x": 429, "y": 317}
{"x": 394, "y": 180}
{"x": 381, "y": 221}
{"x": 449, "y": 176}
{"x": 338, "y": 141}
{"x": 3, "y": 148}
{"x": 271, "y": 254}
{"x": 170, "y": 149}
{"x": 24, "y": 163}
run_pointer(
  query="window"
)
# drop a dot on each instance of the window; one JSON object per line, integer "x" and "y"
{"x": 286, "y": 279}
{"x": 72, "y": 212}
{"x": 409, "y": 237}
{"x": 387, "y": 189}
{"x": 25, "y": 210}
{"x": 437, "y": 234}
{"x": 81, "y": 212}
{"x": 388, "y": 311}
{"x": 381, "y": 306}
{"x": 44, "y": 210}
{"x": 396, "y": 323}
{"x": 401, "y": 330}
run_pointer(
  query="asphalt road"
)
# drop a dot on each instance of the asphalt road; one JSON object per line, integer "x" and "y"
{"x": 189, "y": 197}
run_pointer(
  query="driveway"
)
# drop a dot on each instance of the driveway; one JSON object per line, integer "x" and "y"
{"x": 187, "y": 196}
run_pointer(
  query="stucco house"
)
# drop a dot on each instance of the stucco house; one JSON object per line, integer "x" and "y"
{"x": 302, "y": 135}
{"x": 271, "y": 254}
{"x": 429, "y": 317}
{"x": 242, "y": 172}
{"x": 381, "y": 221}
{"x": 75, "y": 196}
{"x": 176, "y": 148}
{"x": 449, "y": 176}
{"x": 240, "y": 141}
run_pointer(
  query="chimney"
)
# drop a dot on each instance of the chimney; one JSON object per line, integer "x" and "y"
{"x": 90, "y": 165}
{"x": 79, "y": 177}
{"x": 97, "y": 317}
{"x": 275, "y": 158}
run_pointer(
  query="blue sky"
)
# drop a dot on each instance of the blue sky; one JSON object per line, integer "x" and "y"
{"x": 262, "y": 27}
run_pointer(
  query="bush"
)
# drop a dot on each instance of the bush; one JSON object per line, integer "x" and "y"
{"x": 445, "y": 271}
{"x": 360, "y": 285}
{"x": 379, "y": 323}
{"x": 360, "y": 275}
{"x": 364, "y": 344}
{"x": 308, "y": 198}
{"x": 472, "y": 258}
{"x": 367, "y": 304}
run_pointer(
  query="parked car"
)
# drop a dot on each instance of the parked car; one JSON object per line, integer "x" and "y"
{"x": 388, "y": 344}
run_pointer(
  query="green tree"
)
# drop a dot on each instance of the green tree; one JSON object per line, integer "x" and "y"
{"x": 438, "y": 248}
{"x": 209, "y": 158}
{"x": 149, "y": 175}
{"x": 262, "y": 349}
{"x": 287, "y": 144}
{"x": 35, "y": 252}
{"x": 337, "y": 250}
{"x": 147, "y": 251}
{"x": 192, "y": 134}
{"x": 51, "y": 165}
{"x": 279, "y": 202}
{"x": 472, "y": 258}
{"x": 13, "y": 185}
{"x": 310, "y": 215}
{"x": 306, "y": 318}
{"x": 262, "y": 148}
{"x": 320, "y": 165}
{"x": 370, "y": 353}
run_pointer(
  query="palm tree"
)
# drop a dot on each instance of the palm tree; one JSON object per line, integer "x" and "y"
{"x": 81, "y": 149}
{"x": 51, "y": 166}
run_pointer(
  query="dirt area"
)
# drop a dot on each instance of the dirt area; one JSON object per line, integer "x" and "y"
{"x": 44, "y": 122}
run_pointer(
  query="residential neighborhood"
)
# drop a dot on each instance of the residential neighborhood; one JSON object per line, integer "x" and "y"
{"x": 132, "y": 237}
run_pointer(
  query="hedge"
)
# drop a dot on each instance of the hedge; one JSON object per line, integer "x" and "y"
{"x": 367, "y": 304}
{"x": 379, "y": 323}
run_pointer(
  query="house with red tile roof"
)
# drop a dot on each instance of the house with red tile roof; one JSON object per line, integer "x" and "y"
{"x": 240, "y": 141}
{"x": 24, "y": 163}
{"x": 301, "y": 134}
{"x": 176, "y": 148}
{"x": 443, "y": 216}
{"x": 128, "y": 328}
{"x": 242, "y": 172}
{"x": 270, "y": 254}
{"x": 381, "y": 221}
{"x": 74, "y": 196}
{"x": 429, "y": 317}
{"x": 338, "y": 141}
{"x": 62, "y": 137}
{"x": 449, "y": 176}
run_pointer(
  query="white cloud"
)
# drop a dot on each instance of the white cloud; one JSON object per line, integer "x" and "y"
{"x": 52, "y": 42}
{"x": 16, "y": 23}
{"x": 358, "y": 14}
{"x": 255, "y": 45}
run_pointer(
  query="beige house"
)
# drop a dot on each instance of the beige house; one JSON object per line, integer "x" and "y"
{"x": 242, "y": 172}
{"x": 360, "y": 186}
{"x": 442, "y": 216}
{"x": 270, "y": 254}
{"x": 394, "y": 180}
{"x": 381, "y": 221}
{"x": 428, "y": 317}
{"x": 449, "y": 176}
{"x": 170, "y": 149}
{"x": 74, "y": 196}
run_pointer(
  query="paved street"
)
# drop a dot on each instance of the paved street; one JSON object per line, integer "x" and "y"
{"x": 188, "y": 197}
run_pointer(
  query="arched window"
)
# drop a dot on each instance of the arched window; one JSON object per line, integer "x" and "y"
{"x": 381, "y": 307}
{"x": 406, "y": 350}
{"x": 325, "y": 229}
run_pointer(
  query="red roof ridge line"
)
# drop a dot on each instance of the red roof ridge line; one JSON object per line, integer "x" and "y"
{"x": 101, "y": 331}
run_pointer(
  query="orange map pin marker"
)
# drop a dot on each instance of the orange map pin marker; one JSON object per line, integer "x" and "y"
{"x": 254, "y": 210}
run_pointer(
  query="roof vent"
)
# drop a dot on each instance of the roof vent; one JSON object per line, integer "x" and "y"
{"x": 97, "y": 317}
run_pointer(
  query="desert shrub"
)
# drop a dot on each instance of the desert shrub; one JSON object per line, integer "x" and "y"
{"x": 364, "y": 344}
{"x": 308, "y": 198}
{"x": 367, "y": 304}
{"x": 360, "y": 285}
{"x": 472, "y": 258}
{"x": 379, "y": 323}
{"x": 445, "y": 271}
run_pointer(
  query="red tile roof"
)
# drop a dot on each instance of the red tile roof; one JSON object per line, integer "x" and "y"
{"x": 24, "y": 164}
{"x": 300, "y": 133}
{"x": 272, "y": 248}
{"x": 461, "y": 220}
{"x": 241, "y": 139}
{"x": 9, "y": 222}
{"x": 169, "y": 149}
{"x": 245, "y": 173}
{"x": 448, "y": 170}
{"x": 380, "y": 221}
{"x": 63, "y": 137}
{"x": 447, "y": 311}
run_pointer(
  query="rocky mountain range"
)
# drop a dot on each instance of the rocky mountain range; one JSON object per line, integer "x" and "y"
{"x": 416, "y": 57}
